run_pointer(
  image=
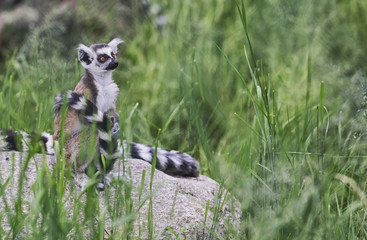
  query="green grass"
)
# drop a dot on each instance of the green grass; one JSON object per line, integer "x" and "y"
{"x": 268, "y": 95}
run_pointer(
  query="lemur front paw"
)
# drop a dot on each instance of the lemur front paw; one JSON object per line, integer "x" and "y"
{"x": 116, "y": 130}
{"x": 115, "y": 127}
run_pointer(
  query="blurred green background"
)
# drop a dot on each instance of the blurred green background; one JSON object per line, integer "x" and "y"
{"x": 274, "y": 127}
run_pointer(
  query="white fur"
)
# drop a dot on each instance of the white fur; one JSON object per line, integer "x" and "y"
{"x": 105, "y": 50}
{"x": 144, "y": 153}
{"x": 25, "y": 141}
{"x": 146, "y": 156}
{"x": 49, "y": 145}
{"x": 59, "y": 98}
{"x": 107, "y": 92}
{"x": 176, "y": 160}
{"x": 96, "y": 117}
{"x": 80, "y": 105}
{"x": 88, "y": 51}
{"x": 114, "y": 43}
{"x": 105, "y": 136}
{"x": 3, "y": 143}
{"x": 161, "y": 155}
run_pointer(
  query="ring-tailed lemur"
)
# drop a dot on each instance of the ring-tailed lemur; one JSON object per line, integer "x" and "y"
{"x": 93, "y": 100}
{"x": 99, "y": 61}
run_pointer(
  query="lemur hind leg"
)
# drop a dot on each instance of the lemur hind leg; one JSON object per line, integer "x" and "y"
{"x": 81, "y": 150}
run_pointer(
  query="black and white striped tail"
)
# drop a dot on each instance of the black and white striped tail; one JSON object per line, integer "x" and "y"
{"x": 11, "y": 140}
{"x": 171, "y": 162}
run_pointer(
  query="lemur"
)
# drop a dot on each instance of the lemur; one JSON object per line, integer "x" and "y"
{"x": 93, "y": 100}
{"x": 99, "y": 61}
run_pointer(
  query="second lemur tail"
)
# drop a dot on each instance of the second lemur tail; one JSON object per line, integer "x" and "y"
{"x": 11, "y": 140}
{"x": 171, "y": 162}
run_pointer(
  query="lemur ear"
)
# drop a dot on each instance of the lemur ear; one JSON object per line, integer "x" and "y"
{"x": 114, "y": 43}
{"x": 85, "y": 54}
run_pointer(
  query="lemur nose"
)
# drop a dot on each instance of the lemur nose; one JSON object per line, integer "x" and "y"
{"x": 112, "y": 65}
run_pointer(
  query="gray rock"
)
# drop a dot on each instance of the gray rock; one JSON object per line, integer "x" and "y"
{"x": 178, "y": 203}
{"x": 15, "y": 24}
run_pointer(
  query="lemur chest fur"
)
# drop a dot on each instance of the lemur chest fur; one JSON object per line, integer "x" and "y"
{"x": 106, "y": 95}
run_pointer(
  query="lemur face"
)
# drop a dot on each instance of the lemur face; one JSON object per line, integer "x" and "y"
{"x": 100, "y": 57}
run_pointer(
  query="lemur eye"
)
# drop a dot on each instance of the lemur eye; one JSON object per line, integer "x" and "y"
{"x": 102, "y": 59}
{"x": 113, "y": 55}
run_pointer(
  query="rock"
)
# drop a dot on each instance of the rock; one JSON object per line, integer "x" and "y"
{"x": 178, "y": 203}
{"x": 15, "y": 24}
